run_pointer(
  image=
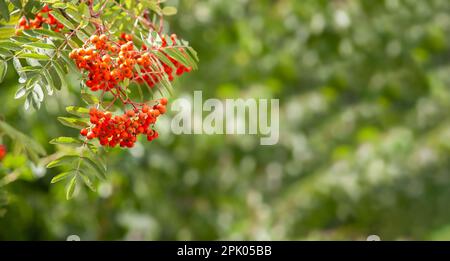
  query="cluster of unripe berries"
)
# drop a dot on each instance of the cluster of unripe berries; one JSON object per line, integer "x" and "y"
{"x": 109, "y": 63}
{"x": 42, "y": 17}
{"x": 123, "y": 130}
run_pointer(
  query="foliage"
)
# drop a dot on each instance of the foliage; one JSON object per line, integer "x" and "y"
{"x": 49, "y": 36}
{"x": 364, "y": 143}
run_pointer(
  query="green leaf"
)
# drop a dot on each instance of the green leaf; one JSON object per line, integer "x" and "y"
{"x": 4, "y": 10}
{"x": 61, "y": 176}
{"x": 5, "y": 53}
{"x": 46, "y": 32}
{"x": 79, "y": 111}
{"x": 21, "y": 39}
{"x": 81, "y": 35}
{"x": 10, "y": 45}
{"x": 152, "y": 5}
{"x": 70, "y": 63}
{"x": 57, "y": 82}
{"x": 66, "y": 141}
{"x": 193, "y": 53}
{"x": 180, "y": 57}
{"x": 169, "y": 10}
{"x": 29, "y": 144}
{"x": 36, "y": 56}
{"x": 61, "y": 72}
{"x": 71, "y": 187}
{"x": 28, "y": 6}
{"x": 163, "y": 58}
{"x": 48, "y": 82}
{"x": 73, "y": 123}
{"x": 96, "y": 166}
{"x": 62, "y": 20}
{"x": 74, "y": 15}
{"x": 59, "y": 5}
{"x": 87, "y": 182}
{"x": 27, "y": 103}
{"x": 17, "y": 3}
{"x": 20, "y": 92}
{"x": 83, "y": 10}
{"x": 89, "y": 99}
{"x": 30, "y": 69}
{"x": 41, "y": 45}
{"x": 66, "y": 159}
{"x": 3, "y": 70}
{"x": 61, "y": 67}
{"x": 73, "y": 44}
{"x": 37, "y": 90}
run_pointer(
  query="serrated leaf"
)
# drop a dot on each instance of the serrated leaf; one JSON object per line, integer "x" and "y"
{"x": 74, "y": 15}
{"x": 4, "y": 10}
{"x": 180, "y": 57}
{"x": 66, "y": 141}
{"x": 79, "y": 111}
{"x": 61, "y": 67}
{"x": 61, "y": 176}
{"x": 89, "y": 99}
{"x": 48, "y": 82}
{"x": 83, "y": 10}
{"x": 20, "y": 92}
{"x": 36, "y": 56}
{"x": 5, "y": 53}
{"x": 66, "y": 159}
{"x": 37, "y": 90}
{"x": 87, "y": 181}
{"x": 71, "y": 187}
{"x": 163, "y": 58}
{"x": 62, "y": 20}
{"x": 73, "y": 44}
{"x": 57, "y": 82}
{"x": 9, "y": 45}
{"x": 35, "y": 100}
{"x": 96, "y": 166}
{"x": 21, "y": 39}
{"x": 193, "y": 53}
{"x": 169, "y": 10}
{"x": 60, "y": 71}
{"x": 41, "y": 45}
{"x": 72, "y": 122}
{"x": 46, "y": 32}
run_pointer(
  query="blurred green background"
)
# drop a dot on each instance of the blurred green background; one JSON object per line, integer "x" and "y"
{"x": 364, "y": 90}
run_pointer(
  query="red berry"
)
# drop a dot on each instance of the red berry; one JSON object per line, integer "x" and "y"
{"x": 83, "y": 132}
{"x": 3, "y": 151}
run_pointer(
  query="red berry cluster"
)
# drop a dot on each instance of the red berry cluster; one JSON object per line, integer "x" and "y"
{"x": 42, "y": 17}
{"x": 124, "y": 129}
{"x": 109, "y": 63}
{"x": 152, "y": 79}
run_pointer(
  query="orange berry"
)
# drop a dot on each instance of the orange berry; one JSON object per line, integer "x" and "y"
{"x": 163, "y": 101}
